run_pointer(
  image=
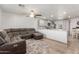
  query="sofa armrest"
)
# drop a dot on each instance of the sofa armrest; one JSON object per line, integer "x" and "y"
{"x": 37, "y": 32}
{"x": 5, "y": 52}
{"x": 10, "y": 46}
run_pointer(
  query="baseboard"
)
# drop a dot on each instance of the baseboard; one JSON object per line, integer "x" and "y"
{"x": 56, "y": 41}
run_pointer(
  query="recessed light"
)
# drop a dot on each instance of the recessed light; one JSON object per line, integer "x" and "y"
{"x": 64, "y": 12}
{"x": 51, "y": 16}
{"x": 68, "y": 16}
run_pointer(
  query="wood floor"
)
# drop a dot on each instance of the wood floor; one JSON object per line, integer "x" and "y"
{"x": 48, "y": 46}
{"x": 71, "y": 47}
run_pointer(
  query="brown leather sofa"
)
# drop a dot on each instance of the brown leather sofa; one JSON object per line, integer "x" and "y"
{"x": 37, "y": 35}
{"x": 24, "y": 33}
{"x": 13, "y": 48}
{"x": 11, "y": 40}
{"x": 16, "y": 46}
{"x": 20, "y": 32}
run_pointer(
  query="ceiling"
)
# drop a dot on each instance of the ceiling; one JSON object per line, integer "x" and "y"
{"x": 51, "y": 11}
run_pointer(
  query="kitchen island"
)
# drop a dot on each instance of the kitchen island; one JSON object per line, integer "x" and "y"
{"x": 55, "y": 34}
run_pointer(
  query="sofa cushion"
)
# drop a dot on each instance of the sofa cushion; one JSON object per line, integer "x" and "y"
{"x": 4, "y": 36}
{"x": 2, "y": 41}
{"x": 19, "y": 30}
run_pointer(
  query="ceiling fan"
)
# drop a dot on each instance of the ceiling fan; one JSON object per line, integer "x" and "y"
{"x": 32, "y": 12}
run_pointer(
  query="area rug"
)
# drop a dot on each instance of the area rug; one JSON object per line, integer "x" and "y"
{"x": 38, "y": 47}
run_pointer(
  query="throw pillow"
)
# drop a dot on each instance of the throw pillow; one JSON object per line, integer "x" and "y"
{"x": 2, "y": 41}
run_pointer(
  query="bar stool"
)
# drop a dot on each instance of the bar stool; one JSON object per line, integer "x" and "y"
{"x": 77, "y": 34}
{"x": 74, "y": 33}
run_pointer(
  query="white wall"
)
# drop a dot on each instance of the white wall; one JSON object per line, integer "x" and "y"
{"x": 0, "y": 17}
{"x": 10, "y": 20}
{"x": 64, "y": 23}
